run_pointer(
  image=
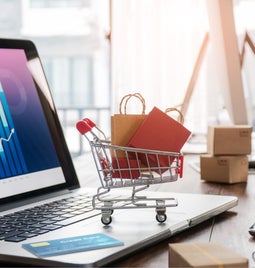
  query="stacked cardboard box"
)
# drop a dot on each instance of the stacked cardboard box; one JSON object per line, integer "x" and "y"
{"x": 228, "y": 148}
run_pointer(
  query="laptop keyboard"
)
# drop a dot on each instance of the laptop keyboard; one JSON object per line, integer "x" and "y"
{"x": 19, "y": 226}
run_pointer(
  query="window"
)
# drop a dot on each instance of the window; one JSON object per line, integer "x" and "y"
{"x": 58, "y": 4}
{"x": 70, "y": 38}
{"x": 245, "y": 27}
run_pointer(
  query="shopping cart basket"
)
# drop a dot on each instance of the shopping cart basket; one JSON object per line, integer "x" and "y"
{"x": 128, "y": 170}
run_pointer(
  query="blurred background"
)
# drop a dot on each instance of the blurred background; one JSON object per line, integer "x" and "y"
{"x": 96, "y": 51}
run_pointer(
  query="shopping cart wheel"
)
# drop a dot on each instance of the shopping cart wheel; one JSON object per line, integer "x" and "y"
{"x": 161, "y": 217}
{"x": 106, "y": 220}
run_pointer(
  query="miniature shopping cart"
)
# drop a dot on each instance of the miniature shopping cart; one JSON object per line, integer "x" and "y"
{"x": 136, "y": 168}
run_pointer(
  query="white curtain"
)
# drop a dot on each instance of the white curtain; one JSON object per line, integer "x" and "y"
{"x": 155, "y": 44}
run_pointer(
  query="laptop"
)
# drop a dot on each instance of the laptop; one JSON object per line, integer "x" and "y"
{"x": 38, "y": 180}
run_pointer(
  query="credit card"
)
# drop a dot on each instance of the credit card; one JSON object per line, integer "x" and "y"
{"x": 72, "y": 244}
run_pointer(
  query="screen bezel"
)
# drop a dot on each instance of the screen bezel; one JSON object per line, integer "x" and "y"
{"x": 55, "y": 128}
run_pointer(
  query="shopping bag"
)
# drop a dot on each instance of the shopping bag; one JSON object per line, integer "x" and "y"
{"x": 123, "y": 125}
{"x": 159, "y": 132}
{"x": 125, "y": 168}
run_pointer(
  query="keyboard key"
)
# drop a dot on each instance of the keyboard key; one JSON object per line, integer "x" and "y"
{"x": 39, "y": 231}
{"x": 15, "y": 239}
{"x": 51, "y": 227}
{"x": 27, "y": 235}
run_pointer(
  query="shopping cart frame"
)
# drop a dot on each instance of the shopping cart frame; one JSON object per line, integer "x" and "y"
{"x": 128, "y": 171}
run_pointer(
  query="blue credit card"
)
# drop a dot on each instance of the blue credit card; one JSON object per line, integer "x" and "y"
{"x": 72, "y": 244}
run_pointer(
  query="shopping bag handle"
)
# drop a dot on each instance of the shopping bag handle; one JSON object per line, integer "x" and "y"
{"x": 85, "y": 125}
{"x": 126, "y": 98}
{"x": 180, "y": 117}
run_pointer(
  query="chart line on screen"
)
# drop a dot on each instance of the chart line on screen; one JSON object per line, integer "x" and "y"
{"x": 12, "y": 161}
{"x": 9, "y": 137}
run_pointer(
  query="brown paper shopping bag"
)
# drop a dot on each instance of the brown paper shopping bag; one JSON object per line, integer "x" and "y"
{"x": 123, "y": 125}
{"x": 159, "y": 132}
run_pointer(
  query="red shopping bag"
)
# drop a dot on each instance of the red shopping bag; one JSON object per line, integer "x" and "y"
{"x": 159, "y": 132}
{"x": 125, "y": 168}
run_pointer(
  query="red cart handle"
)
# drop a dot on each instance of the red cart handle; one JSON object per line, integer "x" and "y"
{"x": 85, "y": 125}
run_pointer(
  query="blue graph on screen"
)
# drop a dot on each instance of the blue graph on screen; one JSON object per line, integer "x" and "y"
{"x": 12, "y": 161}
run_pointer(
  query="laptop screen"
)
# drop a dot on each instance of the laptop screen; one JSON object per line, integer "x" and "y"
{"x": 33, "y": 152}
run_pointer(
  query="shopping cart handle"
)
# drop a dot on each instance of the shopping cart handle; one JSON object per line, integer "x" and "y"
{"x": 89, "y": 122}
{"x": 85, "y": 125}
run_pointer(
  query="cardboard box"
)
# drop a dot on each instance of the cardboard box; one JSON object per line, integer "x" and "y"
{"x": 229, "y": 140}
{"x": 204, "y": 255}
{"x": 225, "y": 169}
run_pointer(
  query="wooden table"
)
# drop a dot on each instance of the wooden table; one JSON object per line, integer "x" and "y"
{"x": 229, "y": 228}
